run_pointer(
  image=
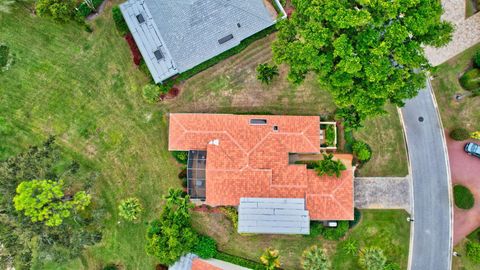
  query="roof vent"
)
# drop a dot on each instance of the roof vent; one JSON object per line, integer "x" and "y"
{"x": 275, "y": 128}
{"x": 215, "y": 142}
{"x": 158, "y": 54}
{"x": 225, "y": 39}
{"x": 140, "y": 18}
{"x": 239, "y": 25}
{"x": 258, "y": 121}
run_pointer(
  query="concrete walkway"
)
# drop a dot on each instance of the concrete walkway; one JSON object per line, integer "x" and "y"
{"x": 382, "y": 193}
{"x": 467, "y": 32}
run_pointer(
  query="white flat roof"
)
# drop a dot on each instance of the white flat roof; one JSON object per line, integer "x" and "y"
{"x": 273, "y": 216}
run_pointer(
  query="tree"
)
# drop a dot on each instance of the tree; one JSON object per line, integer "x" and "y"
{"x": 130, "y": 209}
{"x": 270, "y": 258}
{"x": 59, "y": 10}
{"x": 44, "y": 201}
{"x": 172, "y": 236}
{"x": 266, "y": 73}
{"x": 314, "y": 258}
{"x": 365, "y": 53}
{"x": 372, "y": 258}
{"x": 329, "y": 166}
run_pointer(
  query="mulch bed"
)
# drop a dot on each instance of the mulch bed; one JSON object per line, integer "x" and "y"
{"x": 137, "y": 56}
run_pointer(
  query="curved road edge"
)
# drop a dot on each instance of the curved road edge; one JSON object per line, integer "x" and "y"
{"x": 431, "y": 201}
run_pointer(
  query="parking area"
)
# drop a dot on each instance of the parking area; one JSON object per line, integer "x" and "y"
{"x": 382, "y": 193}
{"x": 465, "y": 170}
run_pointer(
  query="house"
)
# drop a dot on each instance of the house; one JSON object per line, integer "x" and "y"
{"x": 175, "y": 36}
{"x": 250, "y": 161}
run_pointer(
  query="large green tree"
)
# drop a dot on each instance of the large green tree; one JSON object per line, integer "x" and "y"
{"x": 45, "y": 201}
{"x": 364, "y": 52}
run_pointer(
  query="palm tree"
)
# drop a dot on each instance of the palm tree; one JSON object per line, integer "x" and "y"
{"x": 314, "y": 258}
{"x": 266, "y": 73}
{"x": 350, "y": 247}
{"x": 372, "y": 258}
{"x": 173, "y": 195}
{"x": 270, "y": 258}
{"x": 329, "y": 166}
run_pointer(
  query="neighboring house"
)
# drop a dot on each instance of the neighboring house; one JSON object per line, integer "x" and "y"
{"x": 191, "y": 261}
{"x": 249, "y": 161}
{"x": 175, "y": 36}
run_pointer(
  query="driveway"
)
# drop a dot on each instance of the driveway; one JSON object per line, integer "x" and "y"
{"x": 431, "y": 245}
{"x": 382, "y": 193}
{"x": 465, "y": 171}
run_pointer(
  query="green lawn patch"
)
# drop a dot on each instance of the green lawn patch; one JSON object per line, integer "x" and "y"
{"x": 463, "y": 197}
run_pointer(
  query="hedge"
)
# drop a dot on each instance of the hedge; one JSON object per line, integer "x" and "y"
{"x": 120, "y": 23}
{"x": 463, "y": 197}
{"x": 239, "y": 261}
{"x": 206, "y": 247}
{"x": 336, "y": 233}
{"x": 459, "y": 134}
{"x": 181, "y": 156}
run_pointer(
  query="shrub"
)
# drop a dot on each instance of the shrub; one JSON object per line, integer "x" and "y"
{"x": 130, "y": 209}
{"x": 476, "y": 59}
{"x": 59, "y": 10}
{"x": 350, "y": 247}
{"x": 266, "y": 73}
{"x": 391, "y": 266}
{"x": 151, "y": 93}
{"x": 372, "y": 258}
{"x": 330, "y": 135}
{"x": 335, "y": 233}
{"x": 316, "y": 228}
{"x": 182, "y": 174}
{"x": 120, "y": 23}
{"x": 314, "y": 258}
{"x": 181, "y": 156}
{"x": 144, "y": 69}
{"x": 473, "y": 251}
{"x": 239, "y": 261}
{"x": 83, "y": 10}
{"x": 206, "y": 247}
{"x": 6, "y": 57}
{"x": 232, "y": 214}
{"x": 475, "y": 135}
{"x": 270, "y": 258}
{"x": 471, "y": 80}
{"x": 357, "y": 215}
{"x": 463, "y": 197}
{"x": 362, "y": 151}
{"x": 110, "y": 267}
{"x": 459, "y": 134}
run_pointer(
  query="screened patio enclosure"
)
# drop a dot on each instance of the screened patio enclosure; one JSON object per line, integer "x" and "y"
{"x": 197, "y": 161}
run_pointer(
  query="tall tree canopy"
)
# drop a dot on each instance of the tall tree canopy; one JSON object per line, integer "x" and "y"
{"x": 365, "y": 52}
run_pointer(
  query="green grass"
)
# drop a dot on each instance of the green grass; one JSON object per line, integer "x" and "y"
{"x": 384, "y": 135}
{"x": 463, "y": 197}
{"x": 84, "y": 89}
{"x": 445, "y": 83}
{"x": 386, "y": 229}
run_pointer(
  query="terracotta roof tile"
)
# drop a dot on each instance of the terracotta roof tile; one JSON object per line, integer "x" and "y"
{"x": 252, "y": 161}
{"x": 198, "y": 264}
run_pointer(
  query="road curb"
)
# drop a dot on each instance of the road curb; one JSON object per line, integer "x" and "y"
{"x": 447, "y": 161}
{"x": 412, "y": 203}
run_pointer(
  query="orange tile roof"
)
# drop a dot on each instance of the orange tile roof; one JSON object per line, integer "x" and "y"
{"x": 198, "y": 264}
{"x": 252, "y": 161}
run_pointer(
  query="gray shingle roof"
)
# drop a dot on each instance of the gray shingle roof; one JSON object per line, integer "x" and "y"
{"x": 190, "y": 30}
{"x": 273, "y": 216}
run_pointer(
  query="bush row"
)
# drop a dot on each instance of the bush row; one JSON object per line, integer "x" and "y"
{"x": 239, "y": 261}
{"x": 120, "y": 23}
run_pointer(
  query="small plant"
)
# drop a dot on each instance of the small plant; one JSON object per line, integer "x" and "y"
{"x": 270, "y": 258}
{"x": 463, "y": 197}
{"x": 372, "y": 258}
{"x": 473, "y": 251}
{"x": 120, "y": 23}
{"x": 206, "y": 247}
{"x": 181, "y": 156}
{"x": 391, "y": 266}
{"x": 151, "y": 93}
{"x": 459, "y": 134}
{"x": 314, "y": 258}
{"x": 232, "y": 214}
{"x": 266, "y": 73}
{"x": 475, "y": 135}
{"x": 330, "y": 135}
{"x": 362, "y": 151}
{"x": 350, "y": 247}
{"x": 336, "y": 233}
{"x": 130, "y": 209}
{"x": 329, "y": 166}
{"x": 6, "y": 58}
{"x": 476, "y": 59}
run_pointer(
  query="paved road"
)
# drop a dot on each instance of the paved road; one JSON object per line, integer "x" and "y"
{"x": 432, "y": 232}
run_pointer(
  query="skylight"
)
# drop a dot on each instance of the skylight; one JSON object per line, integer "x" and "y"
{"x": 140, "y": 18}
{"x": 258, "y": 121}
{"x": 225, "y": 39}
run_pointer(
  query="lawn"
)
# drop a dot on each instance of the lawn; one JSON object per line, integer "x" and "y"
{"x": 463, "y": 262}
{"x": 464, "y": 113}
{"x": 83, "y": 88}
{"x": 386, "y": 229}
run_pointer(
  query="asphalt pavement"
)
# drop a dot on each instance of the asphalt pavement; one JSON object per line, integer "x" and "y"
{"x": 431, "y": 247}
